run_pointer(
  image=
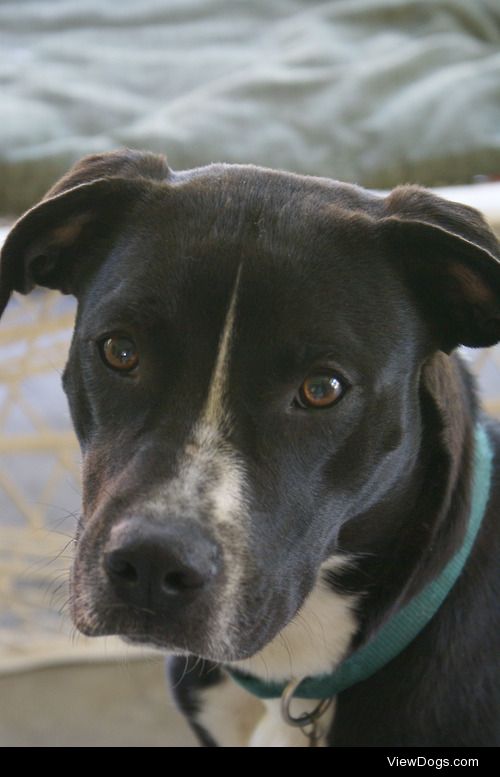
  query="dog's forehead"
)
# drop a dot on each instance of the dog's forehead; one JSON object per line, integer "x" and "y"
{"x": 246, "y": 191}
{"x": 301, "y": 247}
{"x": 287, "y": 231}
{"x": 263, "y": 213}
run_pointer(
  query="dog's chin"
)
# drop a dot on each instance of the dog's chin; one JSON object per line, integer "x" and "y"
{"x": 155, "y": 642}
{"x": 207, "y": 652}
{"x": 141, "y": 630}
{"x": 145, "y": 631}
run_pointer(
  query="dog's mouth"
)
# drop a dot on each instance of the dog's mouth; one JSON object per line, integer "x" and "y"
{"x": 137, "y": 627}
{"x": 193, "y": 634}
{"x": 187, "y": 627}
{"x": 144, "y": 630}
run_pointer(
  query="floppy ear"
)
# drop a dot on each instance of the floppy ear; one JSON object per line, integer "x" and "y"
{"x": 451, "y": 260}
{"x": 62, "y": 238}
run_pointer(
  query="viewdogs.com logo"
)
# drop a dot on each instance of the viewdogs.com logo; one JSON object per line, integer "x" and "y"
{"x": 437, "y": 763}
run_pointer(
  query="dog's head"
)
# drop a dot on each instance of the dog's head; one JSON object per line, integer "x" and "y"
{"x": 243, "y": 378}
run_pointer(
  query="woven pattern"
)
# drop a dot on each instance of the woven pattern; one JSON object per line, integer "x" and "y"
{"x": 39, "y": 464}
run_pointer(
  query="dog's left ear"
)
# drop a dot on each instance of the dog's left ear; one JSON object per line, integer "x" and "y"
{"x": 59, "y": 241}
{"x": 451, "y": 260}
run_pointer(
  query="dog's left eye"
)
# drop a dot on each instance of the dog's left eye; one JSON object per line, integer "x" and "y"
{"x": 119, "y": 352}
{"x": 320, "y": 390}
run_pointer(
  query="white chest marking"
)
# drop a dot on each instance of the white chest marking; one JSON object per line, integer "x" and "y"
{"x": 229, "y": 713}
{"x": 272, "y": 731}
{"x": 235, "y": 718}
{"x": 315, "y": 640}
{"x": 313, "y": 643}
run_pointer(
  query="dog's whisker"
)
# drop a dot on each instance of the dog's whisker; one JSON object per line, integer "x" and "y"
{"x": 284, "y": 641}
{"x": 63, "y": 607}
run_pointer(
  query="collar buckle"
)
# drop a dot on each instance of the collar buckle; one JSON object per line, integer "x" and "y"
{"x": 308, "y": 722}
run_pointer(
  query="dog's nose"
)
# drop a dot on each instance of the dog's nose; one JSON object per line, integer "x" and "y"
{"x": 153, "y": 565}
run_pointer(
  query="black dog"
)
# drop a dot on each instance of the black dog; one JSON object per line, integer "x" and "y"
{"x": 282, "y": 460}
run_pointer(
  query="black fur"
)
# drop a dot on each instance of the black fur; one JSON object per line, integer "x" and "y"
{"x": 379, "y": 290}
{"x": 189, "y": 677}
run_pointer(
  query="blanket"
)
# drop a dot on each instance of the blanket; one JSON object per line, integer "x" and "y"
{"x": 373, "y": 91}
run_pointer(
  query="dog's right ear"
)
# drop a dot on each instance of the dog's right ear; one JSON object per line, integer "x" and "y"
{"x": 56, "y": 243}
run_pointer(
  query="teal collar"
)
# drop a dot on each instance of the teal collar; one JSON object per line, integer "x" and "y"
{"x": 406, "y": 624}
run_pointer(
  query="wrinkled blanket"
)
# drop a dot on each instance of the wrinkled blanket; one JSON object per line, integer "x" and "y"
{"x": 373, "y": 91}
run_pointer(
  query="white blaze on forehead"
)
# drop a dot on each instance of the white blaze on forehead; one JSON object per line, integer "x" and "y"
{"x": 213, "y": 413}
{"x": 209, "y": 485}
{"x": 208, "y": 469}
{"x": 227, "y": 489}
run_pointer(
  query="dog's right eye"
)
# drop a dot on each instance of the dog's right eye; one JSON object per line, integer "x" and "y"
{"x": 119, "y": 352}
{"x": 321, "y": 389}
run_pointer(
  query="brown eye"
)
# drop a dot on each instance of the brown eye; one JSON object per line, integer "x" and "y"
{"x": 119, "y": 353}
{"x": 320, "y": 390}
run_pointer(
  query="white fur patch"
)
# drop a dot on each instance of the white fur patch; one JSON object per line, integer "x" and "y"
{"x": 235, "y": 718}
{"x": 229, "y": 713}
{"x": 272, "y": 731}
{"x": 210, "y": 483}
{"x": 313, "y": 643}
{"x": 206, "y": 456}
{"x": 317, "y": 638}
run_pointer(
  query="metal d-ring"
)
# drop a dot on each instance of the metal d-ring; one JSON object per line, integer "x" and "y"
{"x": 307, "y": 718}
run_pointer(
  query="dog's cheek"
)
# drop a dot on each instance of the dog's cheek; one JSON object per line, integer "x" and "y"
{"x": 83, "y": 595}
{"x": 88, "y": 581}
{"x": 95, "y": 465}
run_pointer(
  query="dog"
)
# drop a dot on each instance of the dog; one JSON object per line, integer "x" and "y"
{"x": 283, "y": 456}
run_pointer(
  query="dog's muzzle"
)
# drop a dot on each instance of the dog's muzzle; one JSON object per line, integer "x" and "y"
{"x": 154, "y": 579}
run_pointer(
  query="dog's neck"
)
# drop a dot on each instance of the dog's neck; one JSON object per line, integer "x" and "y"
{"x": 406, "y": 541}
